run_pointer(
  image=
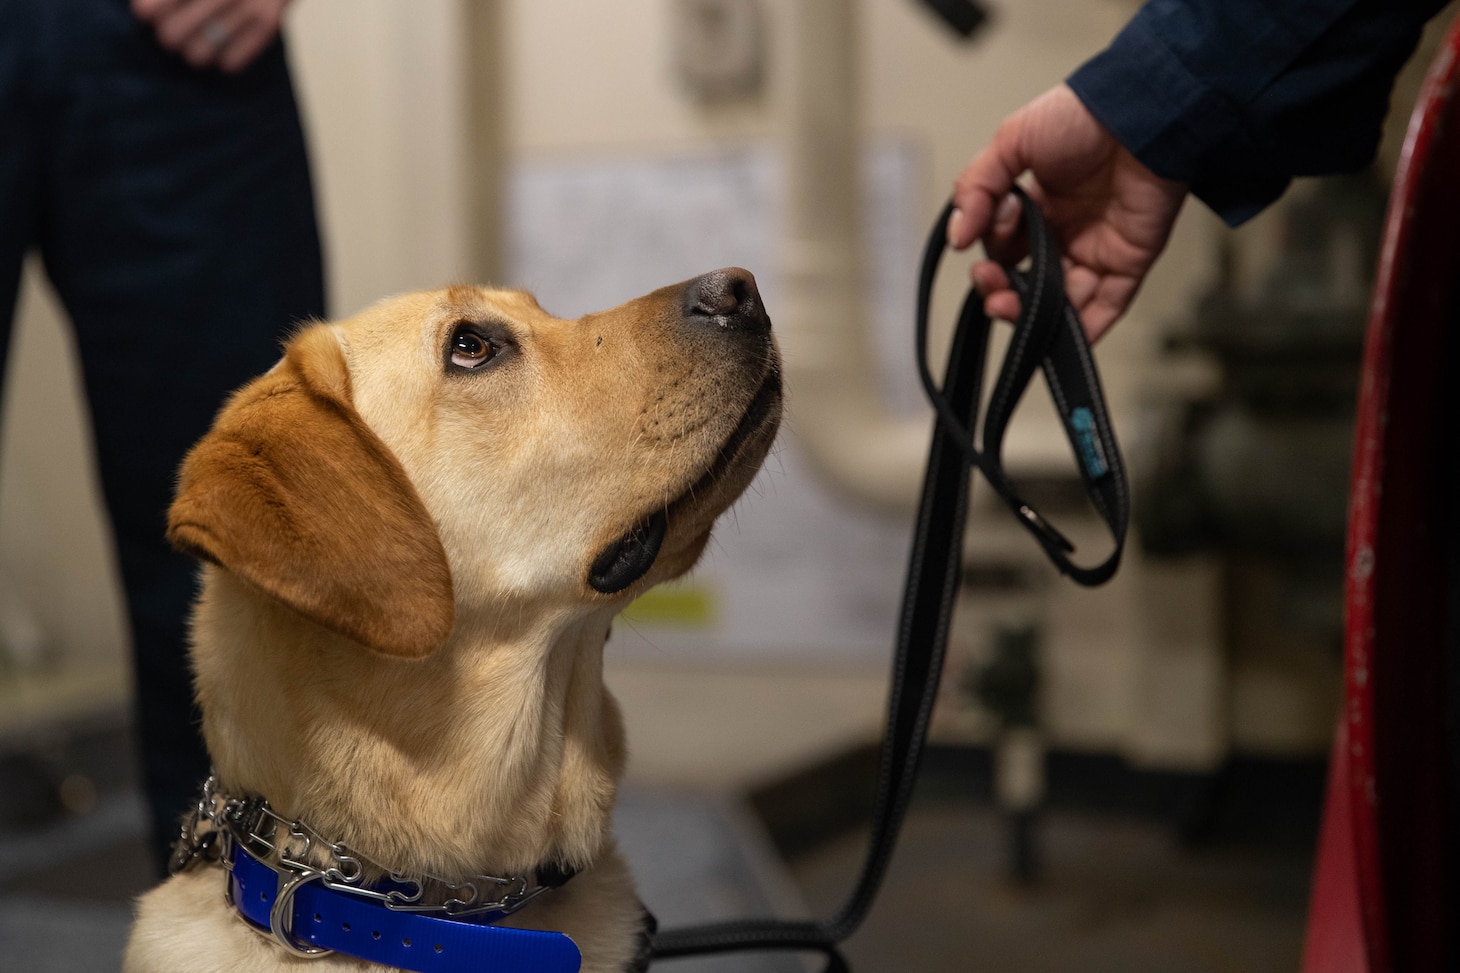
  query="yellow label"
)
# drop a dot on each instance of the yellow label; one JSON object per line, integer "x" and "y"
{"x": 687, "y": 605}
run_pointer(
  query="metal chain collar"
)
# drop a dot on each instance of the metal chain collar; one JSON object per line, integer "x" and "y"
{"x": 217, "y": 823}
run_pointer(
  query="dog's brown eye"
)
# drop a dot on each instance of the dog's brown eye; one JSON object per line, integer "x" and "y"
{"x": 469, "y": 349}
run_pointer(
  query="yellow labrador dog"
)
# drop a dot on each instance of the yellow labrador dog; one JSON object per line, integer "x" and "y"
{"x": 417, "y": 528}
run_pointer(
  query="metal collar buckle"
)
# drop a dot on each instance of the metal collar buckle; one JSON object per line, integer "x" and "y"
{"x": 281, "y": 916}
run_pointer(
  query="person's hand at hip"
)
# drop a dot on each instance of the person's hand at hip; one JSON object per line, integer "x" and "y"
{"x": 226, "y": 34}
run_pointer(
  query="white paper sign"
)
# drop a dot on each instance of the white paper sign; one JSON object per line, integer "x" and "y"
{"x": 793, "y": 570}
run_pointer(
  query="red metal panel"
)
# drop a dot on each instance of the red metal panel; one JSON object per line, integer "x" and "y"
{"x": 1394, "y": 852}
{"x": 1335, "y": 918}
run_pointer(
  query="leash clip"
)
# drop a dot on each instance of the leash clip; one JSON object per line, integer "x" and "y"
{"x": 1046, "y": 531}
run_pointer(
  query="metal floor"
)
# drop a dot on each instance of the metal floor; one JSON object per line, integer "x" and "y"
{"x": 1115, "y": 895}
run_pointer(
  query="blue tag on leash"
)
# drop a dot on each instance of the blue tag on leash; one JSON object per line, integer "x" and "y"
{"x": 1087, "y": 443}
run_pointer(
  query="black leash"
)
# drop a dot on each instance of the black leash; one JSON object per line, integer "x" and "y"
{"x": 1048, "y": 335}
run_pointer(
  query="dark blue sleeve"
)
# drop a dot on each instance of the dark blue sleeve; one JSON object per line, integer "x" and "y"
{"x": 1236, "y": 97}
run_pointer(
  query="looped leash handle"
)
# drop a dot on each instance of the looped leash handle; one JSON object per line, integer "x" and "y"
{"x": 1048, "y": 336}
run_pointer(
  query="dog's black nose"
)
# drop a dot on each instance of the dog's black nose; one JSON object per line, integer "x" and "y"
{"x": 726, "y": 299}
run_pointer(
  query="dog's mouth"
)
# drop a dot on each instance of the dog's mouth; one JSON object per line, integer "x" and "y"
{"x": 630, "y": 557}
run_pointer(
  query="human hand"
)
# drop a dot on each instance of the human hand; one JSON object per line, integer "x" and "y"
{"x": 1110, "y": 215}
{"x": 226, "y": 34}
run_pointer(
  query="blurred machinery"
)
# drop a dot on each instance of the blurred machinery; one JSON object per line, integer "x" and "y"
{"x": 1255, "y": 470}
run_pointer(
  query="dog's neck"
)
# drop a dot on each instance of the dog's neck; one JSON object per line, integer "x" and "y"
{"x": 499, "y": 752}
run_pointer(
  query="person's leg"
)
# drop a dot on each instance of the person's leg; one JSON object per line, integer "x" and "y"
{"x": 18, "y": 161}
{"x": 181, "y": 236}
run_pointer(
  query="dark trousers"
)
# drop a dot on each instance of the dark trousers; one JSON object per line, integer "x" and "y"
{"x": 173, "y": 211}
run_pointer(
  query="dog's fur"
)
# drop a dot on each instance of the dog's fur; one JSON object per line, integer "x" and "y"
{"x": 396, "y": 640}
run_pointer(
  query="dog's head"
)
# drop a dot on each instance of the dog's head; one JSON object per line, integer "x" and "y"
{"x": 443, "y": 455}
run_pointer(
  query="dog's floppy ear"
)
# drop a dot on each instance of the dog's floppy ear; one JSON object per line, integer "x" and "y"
{"x": 294, "y": 494}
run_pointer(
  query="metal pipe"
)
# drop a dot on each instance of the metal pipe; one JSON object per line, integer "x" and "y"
{"x": 836, "y": 414}
{"x": 485, "y": 76}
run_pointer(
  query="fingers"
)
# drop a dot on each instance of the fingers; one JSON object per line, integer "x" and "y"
{"x": 246, "y": 45}
{"x": 984, "y": 184}
{"x": 1007, "y": 243}
{"x": 150, "y": 10}
{"x": 204, "y": 45}
{"x": 1000, "y": 300}
{"x": 1109, "y": 302}
{"x": 1097, "y": 324}
{"x": 180, "y": 23}
{"x": 1004, "y": 305}
{"x": 1099, "y": 300}
{"x": 1081, "y": 284}
{"x": 228, "y": 34}
{"x": 1006, "y": 239}
{"x": 989, "y": 278}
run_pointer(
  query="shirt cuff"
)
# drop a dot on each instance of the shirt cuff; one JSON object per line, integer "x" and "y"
{"x": 1172, "y": 122}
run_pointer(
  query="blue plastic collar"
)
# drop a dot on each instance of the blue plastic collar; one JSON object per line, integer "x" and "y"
{"x": 331, "y": 920}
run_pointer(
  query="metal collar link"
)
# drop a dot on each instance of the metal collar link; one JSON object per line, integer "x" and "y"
{"x": 217, "y": 824}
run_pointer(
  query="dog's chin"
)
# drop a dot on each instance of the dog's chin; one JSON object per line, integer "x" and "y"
{"x": 685, "y": 522}
{"x": 736, "y": 463}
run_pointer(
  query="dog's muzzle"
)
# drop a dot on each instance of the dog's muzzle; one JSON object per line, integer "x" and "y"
{"x": 723, "y": 302}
